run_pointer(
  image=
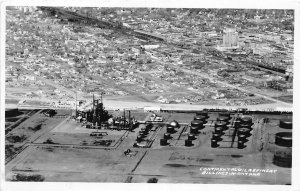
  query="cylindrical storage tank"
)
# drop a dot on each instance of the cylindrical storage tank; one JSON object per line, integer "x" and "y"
{"x": 142, "y": 133}
{"x": 224, "y": 114}
{"x": 214, "y": 143}
{"x": 241, "y": 145}
{"x": 246, "y": 125}
{"x": 203, "y": 113}
{"x": 217, "y": 136}
{"x": 170, "y": 129}
{"x": 283, "y": 157}
{"x": 188, "y": 142}
{"x": 242, "y": 137}
{"x": 220, "y": 124}
{"x": 229, "y": 126}
{"x": 173, "y": 124}
{"x": 148, "y": 126}
{"x": 286, "y": 123}
{"x": 191, "y": 137}
{"x": 12, "y": 112}
{"x": 246, "y": 120}
{"x": 167, "y": 136}
{"x": 284, "y": 139}
{"x": 163, "y": 142}
{"x": 193, "y": 130}
{"x": 198, "y": 124}
{"x": 223, "y": 118}
{"x": 139, "y": 138}
{"x": 237, "y": 122}
{"x": 199, "y": 118}
{"x": 219, "y": 130}
{"x": 243, "y": 131}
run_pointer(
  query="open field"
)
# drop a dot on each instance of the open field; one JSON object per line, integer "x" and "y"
{"x": 96, "y": 164}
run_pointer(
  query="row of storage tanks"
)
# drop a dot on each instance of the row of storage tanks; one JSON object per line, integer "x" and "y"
{"x": 196, "y": 125}
{"x": 243, "y": 126}
{"x": 283, "y": 144}
{"x": 143, "y": 133}
{"x": 283, "y": 140}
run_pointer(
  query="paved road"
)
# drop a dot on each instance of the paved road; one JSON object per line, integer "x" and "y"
{"x": 115, "y": 104}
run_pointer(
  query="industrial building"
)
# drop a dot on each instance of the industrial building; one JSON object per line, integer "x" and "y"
{"x": 230, "y": 38}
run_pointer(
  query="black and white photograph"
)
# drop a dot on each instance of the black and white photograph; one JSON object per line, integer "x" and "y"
{"x": 148, "y": 94}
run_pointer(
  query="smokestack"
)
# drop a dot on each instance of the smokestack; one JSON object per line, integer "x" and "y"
{"x": 129, "y": 119}
{"x": 93, "y": 104}
{"x": 124, "y": 119}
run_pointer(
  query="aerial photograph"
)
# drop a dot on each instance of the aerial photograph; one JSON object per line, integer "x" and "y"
{"x": 149, "y": 95}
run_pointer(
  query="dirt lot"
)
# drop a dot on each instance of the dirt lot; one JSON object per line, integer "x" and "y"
{"x": 78, "y": 164}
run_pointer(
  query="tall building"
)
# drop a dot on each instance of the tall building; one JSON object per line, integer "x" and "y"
{"x": 230, "y": 37}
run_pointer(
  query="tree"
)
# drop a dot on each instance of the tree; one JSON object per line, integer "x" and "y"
{"x": 29, "y": 178}
{"x": 152, "y": 180}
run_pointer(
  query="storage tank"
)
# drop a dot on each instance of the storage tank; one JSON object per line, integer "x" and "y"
{"x": 243, "y": 131}
{"x": 283, "y": 139}
{"x": 170, "y": 129}
{"x": 242, "y": 137}
{"x": 12, "y": 112}
{"x": 237, "y": 122}
{"x": 203, "y": 113}
{"x": 198, "y": 124}
{"x": 167, "y": 136}
{"x": 194, "y": 130}
{"x": 142, "y": 133}
{"x": 224, "y": 114}
{"x": 219, "y": 130}
{"x": 220, "y": 124}
{"x": 188, "y": 143}
{"x": 245, "y": 125}
{"x": 163, "y": 142}
{"x": 139, "y": 138}
{"x": 174, "y": 124}
{"x": 200, "y": 117}
{"x": 283, "y": 149}
{"x": 241, "y": 144}
{"x": 214, "y": 143}
{"x": 283, "y": 157}
{"x": 217, "y": 136}
{"x": 286, "y": 123}
{"x": 246, "y": 120}
{"x": 229, "y": 126}
{"x": 149, "y": 126}
{"x": 191, "y": 137}
{"x": 223, "y": 118}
